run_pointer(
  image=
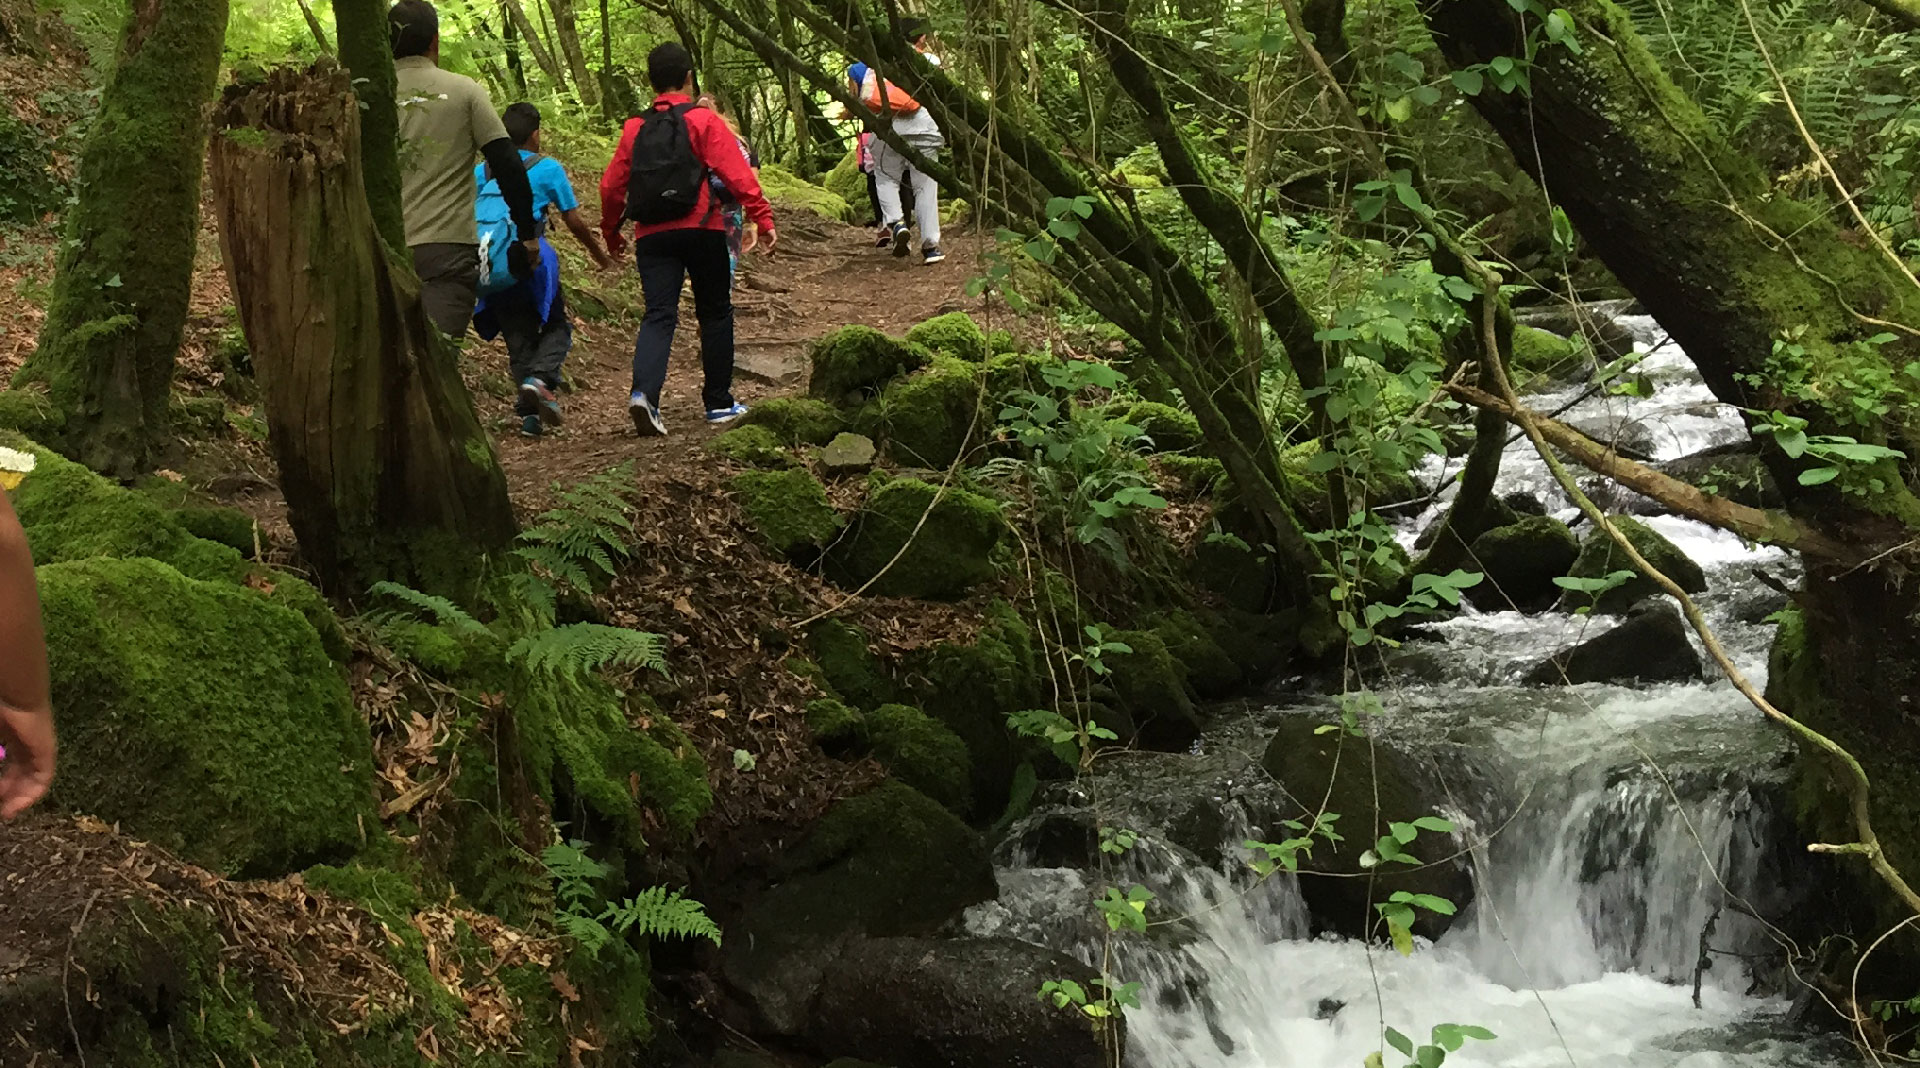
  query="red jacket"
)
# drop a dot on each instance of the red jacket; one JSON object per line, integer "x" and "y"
{"x": 716, "y": 146}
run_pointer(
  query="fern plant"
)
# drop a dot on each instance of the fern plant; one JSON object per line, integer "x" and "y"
{"x": 578, "y": 649}
{"x": 581, "y": 914}
{"x": 579, "y": 542}
{"x": 424, "y": 605}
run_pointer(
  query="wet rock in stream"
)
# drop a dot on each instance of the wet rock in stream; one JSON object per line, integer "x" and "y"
{"x": 1654, "y": 644}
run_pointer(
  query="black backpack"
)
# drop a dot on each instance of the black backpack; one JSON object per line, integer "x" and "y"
{"x": 666, "y": 178}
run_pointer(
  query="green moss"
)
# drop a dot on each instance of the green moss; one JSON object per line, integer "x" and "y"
{"x": 202, "y": 417}
{"x": 921, "y": 752}
{"x": 788, "y": 509}
{"x": 227, "y": 526}
{"x": 1167, "y": 428}
{"x": 954, "y": 334}
{"x": 426, "y": 646}
{"x": 973, "y": 687}
{"x": 942, "y": 559}
{"x": 846, "y": 663}
{"x": 1198, "y": 475}
{"x": 896, "y": 863}
{"x": 849, "y": 183}
{"x": 1537, "y": 352}
{"x": 203, "y": 717}
{"x": 1150, "y": 692}
{"x": 855, "y": 361}
{"x": 1521, "y": 560}
{"x": 999, "y": 341}
{"x": 755, "y": 446}
{"x": 1599, "y": 556}
{"x": 931, "y": 418}
{"x": 834, "y": 723}
{"x": 790, "y": 193}
{"x": 797, "y": 420}
{"x": 1210, "y": 670}
{"x": 29, "y": 412}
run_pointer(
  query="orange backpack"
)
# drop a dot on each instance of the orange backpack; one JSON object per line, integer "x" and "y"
{"x": 897, "y": 102}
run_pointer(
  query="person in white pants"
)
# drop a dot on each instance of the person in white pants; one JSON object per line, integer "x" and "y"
{"x": 890, "y": 169}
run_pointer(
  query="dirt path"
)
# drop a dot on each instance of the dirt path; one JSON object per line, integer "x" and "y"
{"x": 824, "y": 275}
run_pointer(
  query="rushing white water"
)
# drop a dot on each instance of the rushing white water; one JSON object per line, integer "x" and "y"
{"x": 1618, "y": 838}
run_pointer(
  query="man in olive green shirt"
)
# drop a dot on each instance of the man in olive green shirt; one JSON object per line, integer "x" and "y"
{"x": 444, "y": 120}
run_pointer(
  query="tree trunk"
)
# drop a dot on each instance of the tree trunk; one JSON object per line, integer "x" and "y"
{"x": 530, "y": 33}
{"x": 510, "y": 43}
{"x": 366, "y": 51}
{"x": 616, "y": 92}
{"x": 386, "y": 470}
{"x": 314, "y": 27}
{"x": 567, "y": 29}
{"x": 119, "y": 303}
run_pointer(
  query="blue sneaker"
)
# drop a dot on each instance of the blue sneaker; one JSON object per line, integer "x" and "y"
{"x": 716, "y": 416}
{"x": 537, "y": 399}
{"x": 646, "y": 417}
{"x": 531, "y": 427}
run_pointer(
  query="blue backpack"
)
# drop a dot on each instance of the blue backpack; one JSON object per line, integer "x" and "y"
{"x": 497, "y": 236}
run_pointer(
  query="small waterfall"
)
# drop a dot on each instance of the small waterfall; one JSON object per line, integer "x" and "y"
{"x": 1618, "y": 838}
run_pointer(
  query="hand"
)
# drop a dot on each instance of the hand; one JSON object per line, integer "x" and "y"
{"x": 764, "y": 241}
{"x": 616, "y": 245}
{"x": 28, "y": 771}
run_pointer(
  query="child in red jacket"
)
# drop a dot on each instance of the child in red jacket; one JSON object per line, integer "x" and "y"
{"x": 693, "y": 245}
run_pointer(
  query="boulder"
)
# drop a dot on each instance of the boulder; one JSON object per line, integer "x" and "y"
{"x": 1168, "y": 429}
{"x": 849, "y": 183}
{"x": 1599, "y": 557}
{"x": 753, "y": 446}
{"x": 954, "y": 334}
{"x": 888, "y": 863}
{"x": 1520, "y": 562}
{"x": 847, "y": 454}
{"x": 796, "y": 421}
{"x": 1651, "y": 645}
{"x": 1539, "y": 352}
{"x": 1151, "y": 704}
{"x": 921, "y": 752}
{"x": 1211, "y": 671}
{"x": 853, "y": 362}
{"x": 972, "y": 687}
{"x": 791, "y": 193}
{"x": 844, "y": 654}
{"x": 1196, "y": 475}
{"x": 203, "y": 717}
{"x": 1370, "y": 784}
{"x": 789, "y": 510}
{"x": 939, "y": 559}
{"x": 958, "y": 1003}
{"x": 1598, "y": 322}
{"x": 1523, "y": 503}
{"x": 930, "y": 418}
{"x": 1734, "y": 472}
{"x": 1497, "y": 513}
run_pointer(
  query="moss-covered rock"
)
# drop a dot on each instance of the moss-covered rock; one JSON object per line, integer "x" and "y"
{"x": 1152, "y": 705}
{"x": 789, "y": 510}
{"x": 203, "y": 717}
{"x": 1599, "y": 557}
{"x": 836, "y": 725}
{"x": 1168, "y": 429}
{"x": 1196, "y": 475}
{"x": 30, "y": 412}
{"x": 853, "y": 362}
{"x": 755, "y": 446}
{"x": 930, "y": 418}
{"x": 973, "y": 687}
{"x": 954, "y": 334}
{"x": 999, "y": 341}
{"x": 1211, "y": 672}
{"x": 1521, "y": 560}
{"x": 227, "y": 526}
{"x": 941, "y": 558}
{"x": 921, "y": 752}
{"x": 847, "y": 664}
{"x": 796, "y": 421}
{"x": 848, "y": 182}
{"x": 789, "y": 192}
{"x": 888, "y": 862}
{"x": 1369, "y": 784}
{"x": 1538, "y": 352}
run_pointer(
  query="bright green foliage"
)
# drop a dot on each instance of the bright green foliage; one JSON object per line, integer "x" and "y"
{"x": 593, "y": 922}
{"x": 796, "y": 420}
{"x": 833, "y": 723}
{"x": 953, "y": 334}
{"x": 203, "y": 717}
{"x": 1599, "y": 557}
{"x": 577, "y": 650}
{"x": 913, "y": 539}
{"x": 578, "y": 542}
{"x": 921, "y": 752}
{"x": 754, "y": 446}
{"x": 788, "y": 193}
{"x": 788, "y": 509}
{"x": 847, "y": 664}
{"x": 849, "y": 183}
{"x": 1540, "y": 352}
{"x": 930, "y": 418}
{"x": 855, "y": 361}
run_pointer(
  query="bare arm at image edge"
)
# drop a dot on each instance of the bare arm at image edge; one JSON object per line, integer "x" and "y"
{"x": 26, "y": 711}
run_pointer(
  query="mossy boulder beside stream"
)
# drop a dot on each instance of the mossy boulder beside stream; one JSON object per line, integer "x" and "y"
{"x": 1521, "y": 560}
{"x": 940, "y": 558}
{"x": 1600, "y": 557}
{"x": 203, "y": 717}
{"x": 954, "y": 334}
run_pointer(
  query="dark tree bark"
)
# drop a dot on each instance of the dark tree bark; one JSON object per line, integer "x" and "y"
{"x": 386, "y": 470}
{"x": 510, "y": 43}
{"x": 529, "y": 33}
{"x": 366, "y": 51}
{"x": 119, "y": 303}
{"x": 567, "y": 28}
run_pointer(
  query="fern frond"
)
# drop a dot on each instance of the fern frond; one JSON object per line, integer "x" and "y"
{"x": 581, "y": 540}
{"x": 575, "y": 874}
{"x": 656, "y": 912}
{"x": 575, "y": 650}
{"x": 443, "y": 611}
{"x": 586, "y": 932}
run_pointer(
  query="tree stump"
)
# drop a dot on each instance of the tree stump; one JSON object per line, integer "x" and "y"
{"x": 385, "y": 467}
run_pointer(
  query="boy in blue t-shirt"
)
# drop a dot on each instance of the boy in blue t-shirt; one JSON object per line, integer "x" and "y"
{"x": 532, "y": 316}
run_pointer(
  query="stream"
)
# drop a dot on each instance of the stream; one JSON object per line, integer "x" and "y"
{"x": 1616, "y": 837}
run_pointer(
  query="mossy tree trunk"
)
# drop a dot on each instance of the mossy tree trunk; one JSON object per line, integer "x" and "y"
{"x": 366, "y": 50}
{"x": 120, "y": 293}
{"x": 386, "y": 470}
{"x": 1728, "y": 265}
{"x": 567, "y": 28}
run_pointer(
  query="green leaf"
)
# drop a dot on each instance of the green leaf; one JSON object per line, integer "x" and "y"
{"x": 1502, "y": 64}
{"x": 1818, "y": 476}
{"x": 1435, "y": 823}
{"x": 1469, "y": 82}
{"x": 1400, "y": 1042}
{"x": 1400, "y": 109}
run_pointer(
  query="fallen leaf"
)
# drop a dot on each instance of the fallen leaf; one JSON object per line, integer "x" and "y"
{"x": 563, "y": 987}
{"x": 170, "y": 476}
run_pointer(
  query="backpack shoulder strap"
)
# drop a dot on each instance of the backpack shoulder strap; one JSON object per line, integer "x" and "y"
{"x": 535, "y": 160}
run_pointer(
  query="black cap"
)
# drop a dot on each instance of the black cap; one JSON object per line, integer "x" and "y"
{"x": 913, "y": 27}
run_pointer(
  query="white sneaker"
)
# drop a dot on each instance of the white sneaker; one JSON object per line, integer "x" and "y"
{"x": 646, "y": 417}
